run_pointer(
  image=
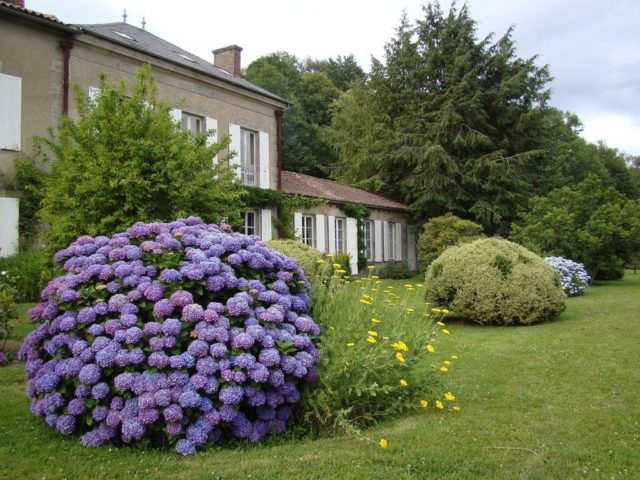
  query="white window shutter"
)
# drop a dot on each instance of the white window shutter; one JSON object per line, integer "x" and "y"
{"x": 297, "y": 225}
{"x": 398, "y": 227}
{"x": 352, "y": 243}
{"x": 377, "y": 240}
{"x": 176, "y": 113}
{"x": 212, "y": 124}
{"x": 10, "y": 112}
{"x": 264, "y": 160}
{"x": 320, "y": 233}
{"x": 385, "y": 241}
{"x": 331, "y": 229}
{"x": 265, "y": 224}
{"x": 9, "y": 216}
{"x": 234, "y": 148}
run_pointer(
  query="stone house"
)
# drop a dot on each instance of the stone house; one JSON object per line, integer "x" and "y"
{"x": 35, "y": 89}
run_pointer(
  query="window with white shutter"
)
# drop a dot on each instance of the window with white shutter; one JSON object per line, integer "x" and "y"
{"x": 10, "y": 112}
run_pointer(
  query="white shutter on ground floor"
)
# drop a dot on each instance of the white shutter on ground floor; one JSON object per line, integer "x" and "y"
{"x": 297, "y": 225}
{"x": 377, "y": 240}
{"x": 321, "y": 233}
{"x": 265, "y": 224}
{"x": 352, "y": 244}
{"x": 331, "y": 229}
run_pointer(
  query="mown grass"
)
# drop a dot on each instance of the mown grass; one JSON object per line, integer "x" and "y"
{"x": 557, "y": 400}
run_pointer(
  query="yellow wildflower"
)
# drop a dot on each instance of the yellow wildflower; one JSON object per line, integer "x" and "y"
{"x": 372, "y": 333}
{"x": 430, "y": 348}
{"x": 341, "y": 271}
{"x": 454, "y": 357}
{"x": 444, "y": 369}
{"x": 435, "y": 310}
{"x": 445, "y": 331}
{"x": 364, "y": 301}
{"x": 332, "y": 328}
{"x": 371, "y": 340}
{"x": 408, "y": 285}
{"x": 447, "y": 362}
{"x": 449, "y": 396}
{"x": 456, "y": 408}
{"x": 329, "y": 255}
{"x": 445, "y": 311}
{"x": 424, "y": 403}
{"x": 358, "y": 281}
{"x": 400, "y": 346}
{"x": 403, "y": 383}
{"x": 350, "y": 344}
{"x": 374, "y": 277}
{"x": 375, "y": 320}
{"x": 337, "y": 265}
{"x": 440, "y": 324}
{"x": 371, "y": 267}
{"x": 385, "y": 338}
{"x": 439, "y": 405}
{"x": 410, "y": 310}
{"x": 383, "y": 443}
{"x": 364, "y": 295}
{"x": 400, "y": 357}
{"x": 419, "y": 285}
{"x": 320, "y": 261}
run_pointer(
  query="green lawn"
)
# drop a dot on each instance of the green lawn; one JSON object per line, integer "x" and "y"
{"x": 557, "y": 401}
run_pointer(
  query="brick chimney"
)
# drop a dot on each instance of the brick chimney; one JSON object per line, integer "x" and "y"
{"x": 17, "y": 3}
{"x": 228, "y": 59}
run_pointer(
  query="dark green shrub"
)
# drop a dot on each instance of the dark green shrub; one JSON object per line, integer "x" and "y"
{"x": 494, "y": 281}
{"x": 395, "y": 270}
{"x": 29, "y": 270}
{"x": 439, "y": 233}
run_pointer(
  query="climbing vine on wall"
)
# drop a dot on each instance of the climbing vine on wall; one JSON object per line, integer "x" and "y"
{"x": 285, "y": 204}
{"x": 360, "y": 213}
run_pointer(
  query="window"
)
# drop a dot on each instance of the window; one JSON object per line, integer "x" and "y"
{"x": 368, "y": 239}
{"x": 391, "y": 240}
{"x": 339, "y": 233}
{"x": 193, "y": 123}
{"x": 308, "y": 230}
{"x": 248, "y": 140}
{"x": 250, "y": 223}
{"x": 10, "y": 112}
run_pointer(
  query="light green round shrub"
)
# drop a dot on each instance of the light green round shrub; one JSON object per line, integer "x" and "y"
{"x": 494, "y": 281}
{"x": 439, "y": 233}
{"x": 307, "y": 256}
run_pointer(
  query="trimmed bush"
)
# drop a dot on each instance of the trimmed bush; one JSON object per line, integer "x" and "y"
{"x": 178, "y": 333}
{"x": 306, "y": 256}
{"x": 439, "y": 233}
{"x": 395, "y": 270}
{"x": 494, "y": 281}
{"x": 573, "y": 275}
{"x": 28, "y": 270}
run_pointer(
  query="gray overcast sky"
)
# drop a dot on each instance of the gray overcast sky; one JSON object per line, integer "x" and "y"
{"x": 591, "y": 46}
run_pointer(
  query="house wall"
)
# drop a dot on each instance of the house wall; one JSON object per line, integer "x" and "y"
{"x": 325, "y": 234}
{"x": 185, "y": 89}
{"x": 31, "y": 52}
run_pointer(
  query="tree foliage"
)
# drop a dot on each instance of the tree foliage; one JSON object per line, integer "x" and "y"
{"x": 125, "y": 160}
{"x": 447, "y": 122}
{"x": 590, "y": 223}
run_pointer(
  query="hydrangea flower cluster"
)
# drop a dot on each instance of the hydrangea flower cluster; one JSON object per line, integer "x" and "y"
{"x": 179, "y": 332}
{"x": 573, "y": 275}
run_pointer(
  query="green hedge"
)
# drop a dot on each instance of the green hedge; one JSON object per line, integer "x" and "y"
{"x": 29, "y": 270}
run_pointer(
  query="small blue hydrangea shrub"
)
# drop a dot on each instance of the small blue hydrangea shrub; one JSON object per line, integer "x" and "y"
{"x": 180, "y": 333}
{"x": 573, "y": 276}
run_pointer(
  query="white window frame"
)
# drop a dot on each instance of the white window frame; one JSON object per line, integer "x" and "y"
{"x": 192, "y": 122}
{"x": 248, "y": 157}
{"x": 368, "y": 234}
{"x": 340, "y": 234}
{"x": 308, "y": 230}
{"x": 247, "y": 228}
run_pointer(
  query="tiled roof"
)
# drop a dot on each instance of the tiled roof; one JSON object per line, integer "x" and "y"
{"x": 39, "y": 17}
{"x": 146, "y": 42}
{"x": 300, "y": 184}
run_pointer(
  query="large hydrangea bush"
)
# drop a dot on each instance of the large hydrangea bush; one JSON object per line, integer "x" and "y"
{"x": 178, "y": 333}
{"x": 573, "y": 275}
